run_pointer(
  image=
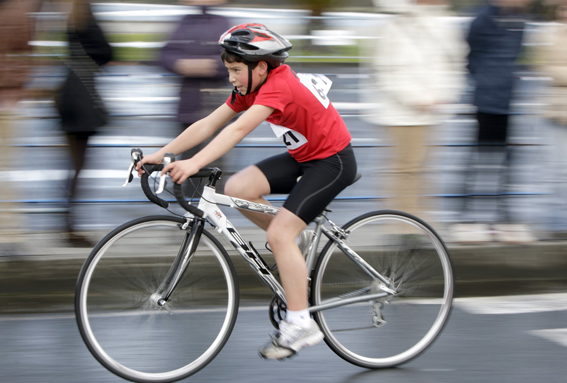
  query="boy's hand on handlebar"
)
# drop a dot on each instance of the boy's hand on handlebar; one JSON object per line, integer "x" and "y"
{"x": 179, "y": 171}
{"x": 154, "y": 158}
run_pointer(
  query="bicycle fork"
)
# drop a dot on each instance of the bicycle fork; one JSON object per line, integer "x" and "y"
{"x": 194, "y": 229}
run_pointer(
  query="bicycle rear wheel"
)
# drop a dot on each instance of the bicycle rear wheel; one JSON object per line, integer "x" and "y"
{"x": 119, "y": 317}
{"x": 388, "y": 331}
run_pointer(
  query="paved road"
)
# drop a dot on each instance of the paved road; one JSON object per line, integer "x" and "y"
{"x": 519, "y": 339}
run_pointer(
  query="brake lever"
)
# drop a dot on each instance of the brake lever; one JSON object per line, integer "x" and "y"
{"x": 136, "y": 155}
{"x": 167, "y": 159}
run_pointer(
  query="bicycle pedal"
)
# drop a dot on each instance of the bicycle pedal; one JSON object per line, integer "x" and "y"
{"x": 378, "y": 321}
{"x": 279, "y": 360}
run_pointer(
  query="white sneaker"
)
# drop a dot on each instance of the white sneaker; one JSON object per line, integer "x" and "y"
{"x": 305, "y": 241}
{"x": 289, "y": 339}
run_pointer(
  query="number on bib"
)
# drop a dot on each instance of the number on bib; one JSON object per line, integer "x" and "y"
{"x": 317, "y": 84}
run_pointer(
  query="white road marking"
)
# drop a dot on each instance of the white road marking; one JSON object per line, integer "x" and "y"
{"x": 558, "y": 335}
{"x": 518, "y": 304}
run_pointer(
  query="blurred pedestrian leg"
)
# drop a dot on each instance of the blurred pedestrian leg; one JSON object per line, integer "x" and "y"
{"x": 15, "y": 68}
{"x": 550, "y": 56}
{"x": 410, "y": 154}
{"x": 487, "y": 176}
{"x": 10, "y": 222}
{"x": 559, "y": 179}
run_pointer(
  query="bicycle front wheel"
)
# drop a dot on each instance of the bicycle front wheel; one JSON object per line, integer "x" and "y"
{"x": 120, "y": 319}
{"x": 390, "y": 330}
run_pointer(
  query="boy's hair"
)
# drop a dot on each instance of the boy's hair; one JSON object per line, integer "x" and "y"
{"x": 229, "y": 57}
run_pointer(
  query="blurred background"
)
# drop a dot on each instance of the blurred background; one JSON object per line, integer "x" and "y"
{"x": 346, "y": 41}
{"x": 457, "y": 113}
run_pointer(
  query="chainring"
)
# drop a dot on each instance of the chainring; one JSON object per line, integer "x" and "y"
{"x": 277, "y": 312}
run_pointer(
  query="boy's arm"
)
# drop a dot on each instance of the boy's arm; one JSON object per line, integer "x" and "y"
{"x": 200, "y": 130}
{"x": 192, "y": 136}
{"x": 230, "y": 136}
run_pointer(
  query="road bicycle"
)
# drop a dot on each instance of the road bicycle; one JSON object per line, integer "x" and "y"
{"x": 157, "y": 298}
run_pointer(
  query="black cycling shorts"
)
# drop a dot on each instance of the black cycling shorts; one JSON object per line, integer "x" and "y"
{"x": 321, "y": 180}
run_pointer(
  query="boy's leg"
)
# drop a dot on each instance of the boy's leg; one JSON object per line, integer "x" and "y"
{"x": 297, "y": 331}
{"x": 277, "y": 174}
{"x": 250, "y": 184}
{"x": 283, "y": 230}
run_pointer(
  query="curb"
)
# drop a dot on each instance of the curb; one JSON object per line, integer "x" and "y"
{"x": 44, "y": 281}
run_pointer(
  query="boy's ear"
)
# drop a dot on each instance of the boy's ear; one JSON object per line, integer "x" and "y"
{"x": 263, "y": 67}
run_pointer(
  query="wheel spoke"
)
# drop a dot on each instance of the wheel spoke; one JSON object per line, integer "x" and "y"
{"x": 386, "y": 331}
{"x": 117, "y": 302}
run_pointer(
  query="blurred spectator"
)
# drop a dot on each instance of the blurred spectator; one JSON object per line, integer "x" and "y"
{"x": 495, "y": 40}
{"x": 419, "y": 64}
{"x": 15, "y": 70}
{"x": 194, "y": 53}
{"x": 551, "y": 60}
{"x": 80, "y": 106}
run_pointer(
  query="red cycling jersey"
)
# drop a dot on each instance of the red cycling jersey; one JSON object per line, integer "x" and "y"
{"x": 310, "y": 126}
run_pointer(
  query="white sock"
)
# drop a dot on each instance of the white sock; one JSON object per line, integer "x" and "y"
{"x": 300, "y": 318}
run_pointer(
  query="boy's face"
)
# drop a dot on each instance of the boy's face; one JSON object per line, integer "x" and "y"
{"x": 238, "y": 75}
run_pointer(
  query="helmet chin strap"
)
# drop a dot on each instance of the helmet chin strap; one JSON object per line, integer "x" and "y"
{"x": 248, "y": 89}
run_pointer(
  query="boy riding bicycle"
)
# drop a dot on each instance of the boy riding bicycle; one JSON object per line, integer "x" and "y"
{"x": 318, "y": 165}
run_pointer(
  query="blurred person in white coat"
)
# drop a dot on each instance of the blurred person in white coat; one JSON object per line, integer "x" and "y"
{"x": 550, "y": 57}
{"x": 419, "y": 69}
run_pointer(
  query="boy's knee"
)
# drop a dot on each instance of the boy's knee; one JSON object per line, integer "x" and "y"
{"x": 278, "y": 236}
{"x": 239, "y": 186}
{"x": 233, "y": 188}
{"x": 274, "y": 237}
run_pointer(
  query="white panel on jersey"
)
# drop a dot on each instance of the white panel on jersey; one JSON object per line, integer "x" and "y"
{"x": 317, "y": 84}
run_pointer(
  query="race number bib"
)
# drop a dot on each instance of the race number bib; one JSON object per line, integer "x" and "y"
{"x": 317, "y": 84}
{"x": 291, "y": 138}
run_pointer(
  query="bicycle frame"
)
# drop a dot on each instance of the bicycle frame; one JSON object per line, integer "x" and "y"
{"x": 212, "y": 213}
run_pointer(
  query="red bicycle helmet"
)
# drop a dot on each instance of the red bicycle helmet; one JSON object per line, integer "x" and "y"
{"x": 254, "y": 42}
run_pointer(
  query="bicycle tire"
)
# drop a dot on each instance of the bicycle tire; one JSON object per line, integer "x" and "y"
{"x": 122, "y": 324}
{"x": 390, "y": 331}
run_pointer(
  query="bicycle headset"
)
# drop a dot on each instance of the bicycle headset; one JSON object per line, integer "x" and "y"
{"x": 254, "y": 43}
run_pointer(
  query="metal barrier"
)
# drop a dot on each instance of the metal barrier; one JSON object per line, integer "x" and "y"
{"x": 271, "y": 199}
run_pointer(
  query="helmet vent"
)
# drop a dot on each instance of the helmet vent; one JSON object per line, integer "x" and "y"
{"x": 248, "y": 47}
{"x": 243, "y": 33}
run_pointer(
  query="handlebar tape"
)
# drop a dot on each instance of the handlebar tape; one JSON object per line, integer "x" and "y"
{"x": 146, "y": 187}
{"x": 181, "y": 200}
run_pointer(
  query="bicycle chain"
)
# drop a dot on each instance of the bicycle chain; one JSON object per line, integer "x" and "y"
{"x": 354, "y": 329}
{"x": 346, "y": 283}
